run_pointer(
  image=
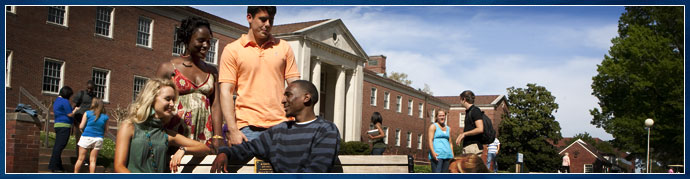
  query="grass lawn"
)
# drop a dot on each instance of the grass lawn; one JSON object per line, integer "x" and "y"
{"x": 105, "y": 155}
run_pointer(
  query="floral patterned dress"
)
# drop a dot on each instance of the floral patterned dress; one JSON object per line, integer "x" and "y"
{"x": 193, "y": 118}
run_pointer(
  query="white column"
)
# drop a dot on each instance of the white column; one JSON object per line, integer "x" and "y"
{"x": 316, "y": 80}
{"x": 350, "y": 107}
{"x": 339, "y": 104}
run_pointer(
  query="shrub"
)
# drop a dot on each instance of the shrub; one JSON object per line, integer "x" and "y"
{"x": 354, "y": 148}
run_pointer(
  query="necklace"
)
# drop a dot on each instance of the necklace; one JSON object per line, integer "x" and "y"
{"x": 152, "y": 154}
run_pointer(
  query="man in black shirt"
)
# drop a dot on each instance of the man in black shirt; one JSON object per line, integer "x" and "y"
{"x": 474, "y": 126}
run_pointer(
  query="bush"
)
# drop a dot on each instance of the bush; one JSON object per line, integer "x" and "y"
{"x": 354, "y": 148}
{"x": 105, "y": 155}
{"x": 422, "y": 169}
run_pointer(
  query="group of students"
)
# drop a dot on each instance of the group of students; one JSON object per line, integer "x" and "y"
{"x": 240, "y": 110}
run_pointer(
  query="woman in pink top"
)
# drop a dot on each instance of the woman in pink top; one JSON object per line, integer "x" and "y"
{"x": 566, "y": 163}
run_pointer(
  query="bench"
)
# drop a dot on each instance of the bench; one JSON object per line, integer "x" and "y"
{"x": 348, "y": 164}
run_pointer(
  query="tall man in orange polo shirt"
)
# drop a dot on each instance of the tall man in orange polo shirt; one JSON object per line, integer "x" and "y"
{"x": 255, "y": 66}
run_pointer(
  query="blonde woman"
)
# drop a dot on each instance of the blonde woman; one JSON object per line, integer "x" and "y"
{"x": 92, "y": 126}
{"x": 142, "y": 140}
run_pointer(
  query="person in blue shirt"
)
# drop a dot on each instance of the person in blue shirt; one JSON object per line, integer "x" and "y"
{"x": 92, "y": 126}
{"x": 441, "y": 152}
{"x": 63, "y": 122}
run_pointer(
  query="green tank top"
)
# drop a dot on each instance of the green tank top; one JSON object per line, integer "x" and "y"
{"x": 147, "y": 150}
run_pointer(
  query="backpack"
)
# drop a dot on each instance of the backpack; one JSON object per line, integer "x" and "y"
{"x": 489, "y": 134}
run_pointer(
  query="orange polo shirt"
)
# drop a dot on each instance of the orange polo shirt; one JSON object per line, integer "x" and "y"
{"x": 259, "y": 75}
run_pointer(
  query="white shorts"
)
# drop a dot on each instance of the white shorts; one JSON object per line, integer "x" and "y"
{"x": 91, "y": 142}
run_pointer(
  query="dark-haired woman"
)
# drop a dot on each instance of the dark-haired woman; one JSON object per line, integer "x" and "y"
{"x": 378, "y": 146}
{"x": 63, "y": 122}
{"x": 198, "y": 110}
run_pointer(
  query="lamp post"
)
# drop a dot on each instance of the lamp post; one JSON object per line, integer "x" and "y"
{"x": 648, "y": 123}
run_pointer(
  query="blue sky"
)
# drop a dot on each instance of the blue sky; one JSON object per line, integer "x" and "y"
{"x": 484, "y": 49}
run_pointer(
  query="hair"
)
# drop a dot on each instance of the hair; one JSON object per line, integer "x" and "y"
{"x": 140, "y": 110}
{"x": 470, "y": 163}
{"x": 97, "y": 107}
{"x": 271, "y": 10}
{"x": 439, "y": 111}
{"x": 468, "y": 96}
{"x": 309, "y": 88}
{"x": 187, "y": 28}
{"x": 66, "y": 92}
{"x": 90, "y": 82}
{"x": 376, "y": 118}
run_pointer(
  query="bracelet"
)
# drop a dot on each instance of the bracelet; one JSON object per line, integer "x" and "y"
{"x": 217, "y": 137}
{"x": 183, "y": 149}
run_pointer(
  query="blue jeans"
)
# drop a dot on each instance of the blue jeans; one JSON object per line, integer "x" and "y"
{"x": 491, "y": 158}
{"x": 61, "y": 139}
{"x": 377, "y": 151}
{"x": 252, "y": 132}
{"x": 440, "y": 165}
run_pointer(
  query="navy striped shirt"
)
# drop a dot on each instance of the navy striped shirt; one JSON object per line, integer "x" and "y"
{"x": 292, "y": 147}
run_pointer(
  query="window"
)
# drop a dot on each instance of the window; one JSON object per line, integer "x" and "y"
{"x": 178, "y": 48}
{"x": 10, "y": 9}
{"x": 409, "y": 140}
{"x": 386, "y": 99}
{"x": 211, "y": 55}
{"x": 433, "y": 116}
{"x": 373, "y": 97}
{"x": 8, "y": 67}
{"x": 462, "y": 120}
{"x": 385, "y": 139}
{"x": 104, "y": 19}
{"x": 421, "y": 109}
{"x": 397, "y": 137}
{"x": 419, "y": 141}
{"x": 52, "y": 75}
{"x": 101, "y": 78}
{"x": 144, "y": 32}
{"x": 139, "y": 83}
{"x": 57, "y": 15}
{"x": 398, "y": 104}
{"x": 588, "y": 168}
{"x": 409, "y": 107}
{"x": 373, "y": 62}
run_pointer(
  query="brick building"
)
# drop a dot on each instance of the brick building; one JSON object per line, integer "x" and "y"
{"x": 407, "y": 112}
{"x": 118, "y": 47}
{"x": 585, "y": 158}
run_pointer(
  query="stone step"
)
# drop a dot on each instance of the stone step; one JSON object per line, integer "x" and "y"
{"x": 65, "y": 152}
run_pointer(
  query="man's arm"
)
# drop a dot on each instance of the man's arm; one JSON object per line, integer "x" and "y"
{"x": 324, "y": 151}
{"x": 227, "y": 105}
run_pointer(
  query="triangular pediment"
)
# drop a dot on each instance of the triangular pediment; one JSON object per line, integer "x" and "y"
{"x": 331, "y": 32}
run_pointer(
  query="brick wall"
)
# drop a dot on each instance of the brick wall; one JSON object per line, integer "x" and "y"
{"x": 394, "y": 120}
{"x": 579, "y": 156}
{"x": 22, "y": 144}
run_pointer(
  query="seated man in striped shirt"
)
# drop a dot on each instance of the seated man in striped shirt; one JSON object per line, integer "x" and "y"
{"x": 309, "y": 144}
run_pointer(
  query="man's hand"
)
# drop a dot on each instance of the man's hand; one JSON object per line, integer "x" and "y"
{"x": 235, "y": 137}
{"x": 175, "y": 161}
{"x": 459, "y": 139}
{"x": 220, "y": 164}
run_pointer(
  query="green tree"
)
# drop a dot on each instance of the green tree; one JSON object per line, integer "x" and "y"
{"x": 527, "y": 127}
{"x": 642, "y": 77}
{"x": 400, "y": 77}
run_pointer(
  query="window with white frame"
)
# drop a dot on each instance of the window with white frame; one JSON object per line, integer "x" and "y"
{"x": 421, "y": 110}
{"x": 11, "y": 9}
{"x": 462, "y": 120}
{"x": 409, "y": 107}
{"x": 101, "y": 79}
{"x": 8, "y": 67}
{"x": 433, "y": 116}
{"x": 52, "y": 75}
{"x": 419, "y": 141}
{"x": 211, "y": 55}
{"x": 178, "y": 48}
{"x": 397, "y": 137}
{"x": 104, "y": 20}
{"x": 386, "y": 100}
{"x": 144, "y": 32}
{"x": 409, "y": 139}
{"x": 58, "y": 15}
{"x": 385, "y": 139}
{"x": 139, "y": 83}
{"x": 589, "y": 168}
{"x": 398, "y": 104}
{"x": 373, "y": 97}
